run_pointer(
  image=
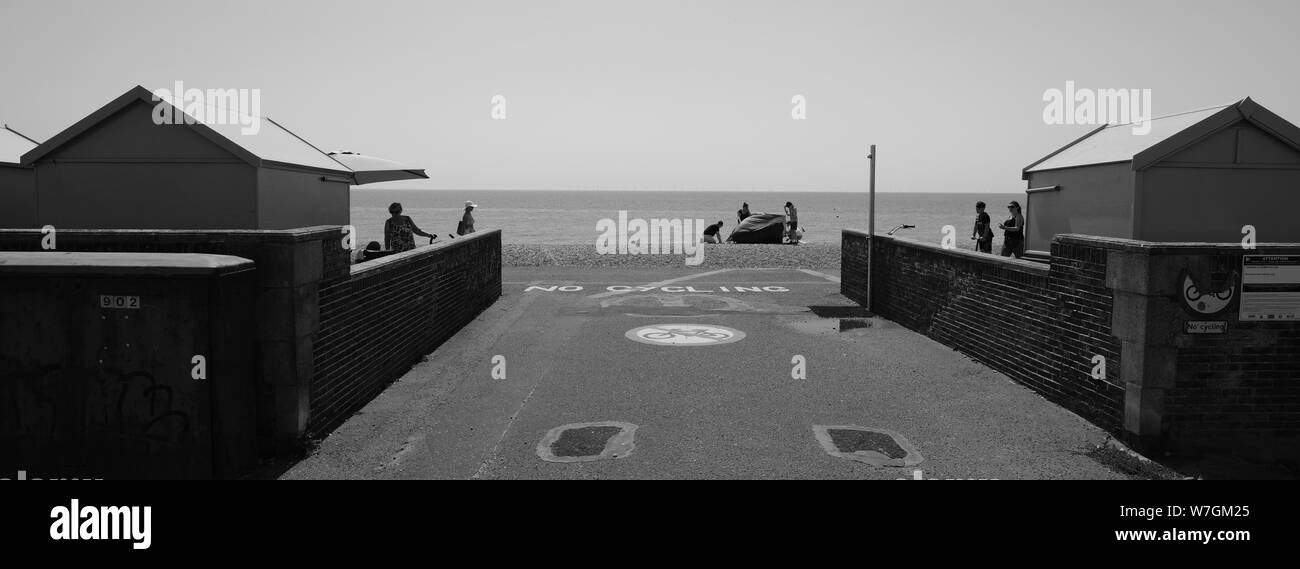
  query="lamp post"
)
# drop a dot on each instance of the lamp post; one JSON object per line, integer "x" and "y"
{"x": 871, "y": 226}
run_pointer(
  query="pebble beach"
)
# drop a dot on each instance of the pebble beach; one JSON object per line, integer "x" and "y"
{"x": 730, "y": 256}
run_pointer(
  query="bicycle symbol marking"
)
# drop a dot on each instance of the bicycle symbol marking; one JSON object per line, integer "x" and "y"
{"x": 685, "y": 335}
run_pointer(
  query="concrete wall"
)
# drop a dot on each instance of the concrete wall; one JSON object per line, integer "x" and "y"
{"x": 290, "y": 267}
{"x": 1095, "y": 200}
{"x": 289, "y": 198}
{"x": 108, "y": 392}
{"x": 1163, "y": 389}
{"x": 17, "y": 197}
{"x": 329, "y": 336}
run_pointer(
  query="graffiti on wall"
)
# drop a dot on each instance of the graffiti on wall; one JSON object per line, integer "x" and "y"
{"x": 60, "y": 403}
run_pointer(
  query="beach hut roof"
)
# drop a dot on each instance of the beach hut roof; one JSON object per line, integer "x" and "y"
{"x": 1114, "y": 144}
{"x": 13, "y": 145}
{"x": 370, "y": 169}
{"x": 272, "y": 144}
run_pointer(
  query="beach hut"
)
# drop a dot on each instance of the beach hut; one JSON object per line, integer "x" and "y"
{"x": 17, "y": 182}
{"x": 120, "y": 169}
{"x": 1195, "y": 176}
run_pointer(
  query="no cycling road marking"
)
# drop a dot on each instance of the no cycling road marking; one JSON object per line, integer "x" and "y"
{"x": 668, "y": 289}
{"x": 690, "y": 335}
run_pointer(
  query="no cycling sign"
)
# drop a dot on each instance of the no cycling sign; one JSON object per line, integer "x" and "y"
{"x": 685, "y": 335}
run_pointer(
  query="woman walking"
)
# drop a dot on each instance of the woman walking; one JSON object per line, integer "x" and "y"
{"x": 1013, "y": 232}
{"x": 467, "y": 220}
{"x": 400, "y": 230}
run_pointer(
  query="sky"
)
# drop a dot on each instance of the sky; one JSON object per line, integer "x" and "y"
{"x": 659, "y": 94}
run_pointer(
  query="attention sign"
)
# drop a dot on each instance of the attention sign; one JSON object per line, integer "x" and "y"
{"x": 1270, "y": 288}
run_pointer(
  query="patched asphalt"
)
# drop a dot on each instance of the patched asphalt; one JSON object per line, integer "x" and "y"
{"x": 705, "y": 404}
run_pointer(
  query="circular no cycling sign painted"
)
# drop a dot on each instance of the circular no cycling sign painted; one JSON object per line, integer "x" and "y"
{"x": 685, "y": 335}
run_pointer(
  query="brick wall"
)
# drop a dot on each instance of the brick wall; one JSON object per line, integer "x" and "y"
{"x": 388, "y": 313}
{"x": 1039, "y": 325}
{"x": 1235, "y": 392}
{"x": 1227, "y": 387}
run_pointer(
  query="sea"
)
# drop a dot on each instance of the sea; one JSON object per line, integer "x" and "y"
{"x": 570, "y": 217}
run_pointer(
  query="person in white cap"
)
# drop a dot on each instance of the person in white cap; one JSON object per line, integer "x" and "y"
{"x": 467, "y": 222}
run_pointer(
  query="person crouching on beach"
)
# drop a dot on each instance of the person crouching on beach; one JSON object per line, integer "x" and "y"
{"x": 982, "y": 232}
{"x": 743, "y": 212}
{"x": 713, "y": 233}
{"x": 1013, "y": 232}
{"x": 400, "y": 230}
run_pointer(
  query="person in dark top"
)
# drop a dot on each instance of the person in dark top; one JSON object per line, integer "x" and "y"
{"x": 1013, "y": 232}
{"x": 742, "y": 213}
{"x": 792, "y": 219}
{"x": 400, "y": 230}
{"x": 982, "y": 233}
{"x": 711, "y": 233}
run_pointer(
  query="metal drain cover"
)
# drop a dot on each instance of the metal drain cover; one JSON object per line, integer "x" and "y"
{"x": 847, "y": 324}
{"x": 585, "y": 442}
{"x": 877, "y": 447}
{"x": 841, "y": 311}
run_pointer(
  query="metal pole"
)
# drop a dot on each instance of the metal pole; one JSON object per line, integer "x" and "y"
{"x": 871, "y": 226}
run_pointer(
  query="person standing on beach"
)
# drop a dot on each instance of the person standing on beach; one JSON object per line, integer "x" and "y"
{"x": 743, "y": 212}
{"x": 1013, "y": 232}
{"x": 792, "y": 217}
{"x": 467, "y": 221}
{"x": 982, "y": 233}
{"x": 400, "y": 230}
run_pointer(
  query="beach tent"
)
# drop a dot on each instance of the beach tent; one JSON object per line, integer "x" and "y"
{"x": 17, "y": 182}
{"x": 1198, "y": 176}
{"x": 759, "y": 228}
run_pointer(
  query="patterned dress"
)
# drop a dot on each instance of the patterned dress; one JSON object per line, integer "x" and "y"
{"x": 399, "y": 234}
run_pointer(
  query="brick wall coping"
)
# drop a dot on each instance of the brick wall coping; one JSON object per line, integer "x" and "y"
{"x": 1038, "y": 269}
{"x": 314, "y": 233}
{"x": 383, "y": 264}
{"x": 118, "y": 264}
{"x": 1161, "y": 248}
